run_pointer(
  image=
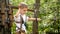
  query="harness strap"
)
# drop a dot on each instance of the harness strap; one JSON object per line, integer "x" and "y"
{"x": 18, "y": 28}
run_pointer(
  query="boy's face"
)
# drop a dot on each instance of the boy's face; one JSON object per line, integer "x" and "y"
{"x": 23, "y": 11}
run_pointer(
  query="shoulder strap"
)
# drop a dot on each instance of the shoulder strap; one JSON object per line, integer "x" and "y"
{"x": 22, "y": 19}
{"x": 21, "y": 23}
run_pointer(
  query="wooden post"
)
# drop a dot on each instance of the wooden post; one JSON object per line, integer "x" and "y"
{"x": 10, "y": 13}
{"x": 2, "y": 16}
{"x": 36, "y": 11}
{"x": 6, "y": 17}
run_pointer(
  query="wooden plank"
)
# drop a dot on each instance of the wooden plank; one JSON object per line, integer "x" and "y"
{"x": 16, "y": 7}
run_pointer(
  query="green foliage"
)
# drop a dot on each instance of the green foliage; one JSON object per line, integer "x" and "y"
{"x": 48, "y": 11}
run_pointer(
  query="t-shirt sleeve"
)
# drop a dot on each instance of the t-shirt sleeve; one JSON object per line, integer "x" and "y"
{"x": 27, "y": 18}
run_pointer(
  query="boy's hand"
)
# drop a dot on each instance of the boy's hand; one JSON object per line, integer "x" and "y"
{"x": 38, "y": 19}
{"x": 32, "y": 19}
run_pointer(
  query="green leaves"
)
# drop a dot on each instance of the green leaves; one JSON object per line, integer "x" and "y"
{"x": 48, "y": 11}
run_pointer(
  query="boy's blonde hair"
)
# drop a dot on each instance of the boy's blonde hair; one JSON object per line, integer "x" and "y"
{"x": 23, "y": 5}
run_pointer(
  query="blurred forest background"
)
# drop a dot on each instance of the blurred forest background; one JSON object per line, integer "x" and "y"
{"x": 49, "y": 13}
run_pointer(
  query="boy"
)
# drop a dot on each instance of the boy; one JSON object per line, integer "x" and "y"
{"x": 21, "y": 13}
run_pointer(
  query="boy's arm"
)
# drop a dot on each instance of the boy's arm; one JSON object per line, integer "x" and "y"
{"x": 32, "y": 19}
